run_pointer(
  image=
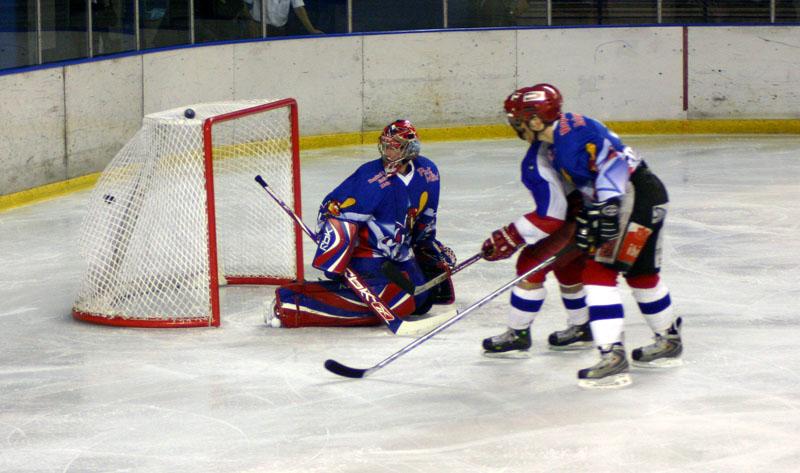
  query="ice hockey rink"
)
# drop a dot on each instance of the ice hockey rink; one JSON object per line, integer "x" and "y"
{"x": 76, "y": 397}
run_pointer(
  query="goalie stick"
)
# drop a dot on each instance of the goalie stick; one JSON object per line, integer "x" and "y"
{"x": 397, "y": 325}
{"x": 342, "y": 370}
{"x": 396, "y": 276}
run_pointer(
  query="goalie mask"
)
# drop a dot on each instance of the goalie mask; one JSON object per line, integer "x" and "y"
{"x": 541, "y": 100}
{"x": 398, "y": 145}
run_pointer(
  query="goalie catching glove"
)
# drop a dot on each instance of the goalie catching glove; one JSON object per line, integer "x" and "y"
{"x": 502, "y": 244}
{"x": 434, "y": 254}
{"x": 434, "y": 259}
{"x": 598, "y": 223}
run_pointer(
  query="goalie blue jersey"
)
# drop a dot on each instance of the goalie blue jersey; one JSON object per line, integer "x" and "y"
{"x": 593, "y": 158}
{"x": 379, "y": 206}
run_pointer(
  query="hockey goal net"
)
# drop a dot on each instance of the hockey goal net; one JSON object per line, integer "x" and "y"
{"x": 177, "y": 212}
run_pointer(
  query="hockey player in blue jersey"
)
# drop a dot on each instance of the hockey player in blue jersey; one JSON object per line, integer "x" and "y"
{"x": 543, "y": 232}
{"x": 619, "y": 228}
{"x": 382, "y": 212}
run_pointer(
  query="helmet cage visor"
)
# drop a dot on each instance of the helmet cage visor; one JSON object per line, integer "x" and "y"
{"x": 397, "y": 145}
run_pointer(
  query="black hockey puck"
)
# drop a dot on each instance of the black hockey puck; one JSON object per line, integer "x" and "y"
{"x": 188, "y": 113}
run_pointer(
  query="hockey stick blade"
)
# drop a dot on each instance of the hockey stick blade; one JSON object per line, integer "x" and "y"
{"x": 337, "y": 368}
{"x": 415, "y": 328}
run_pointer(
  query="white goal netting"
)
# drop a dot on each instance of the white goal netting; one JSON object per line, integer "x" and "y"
{"x": 148, "y": 237}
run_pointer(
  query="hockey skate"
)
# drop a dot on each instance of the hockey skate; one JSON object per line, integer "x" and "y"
{"x": 574, "y": 337}
{"x": 511, "y": 344}
{"x": 271, "y": 314}
{"x": 610, "y": 373}
{"x": 665, "y": 352}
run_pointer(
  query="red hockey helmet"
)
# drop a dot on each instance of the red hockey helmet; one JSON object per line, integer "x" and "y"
{"x": 541, "y": 100}
{"x": 400, "y": 135}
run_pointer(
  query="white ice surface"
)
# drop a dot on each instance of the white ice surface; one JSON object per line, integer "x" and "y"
{"x": 76, "y": 397}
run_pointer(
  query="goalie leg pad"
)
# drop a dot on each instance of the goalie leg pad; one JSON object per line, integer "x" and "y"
{"x": 321, "y": 304}
{"x": 334, "y": 304}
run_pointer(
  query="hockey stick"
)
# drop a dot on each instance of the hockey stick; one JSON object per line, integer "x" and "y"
{"x": 397, "y": 325}
{"x": 393, "y": 273}
{"x": 337, "y": 368}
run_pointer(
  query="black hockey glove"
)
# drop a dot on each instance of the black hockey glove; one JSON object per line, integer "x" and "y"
{"x": 606, "y": 214}
{"x": 433, "y": 254}
{"x": 585, "y": 231}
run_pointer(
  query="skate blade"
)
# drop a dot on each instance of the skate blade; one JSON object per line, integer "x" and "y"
{"x": 509, "y": 355}
{"x": 572, "y": 347}
{"x": 659, "y": 363}
{"x": 616, "y": 381}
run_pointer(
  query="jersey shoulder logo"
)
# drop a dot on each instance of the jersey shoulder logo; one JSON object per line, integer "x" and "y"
{"x": 381, "y": 179}
{"x": 428, "y": 174}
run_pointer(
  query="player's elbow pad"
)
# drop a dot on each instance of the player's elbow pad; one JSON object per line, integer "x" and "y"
{"x": 337, "y": 240}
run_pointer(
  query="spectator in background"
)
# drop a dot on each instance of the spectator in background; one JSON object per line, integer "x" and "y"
{"x": 254, "y": 22}
{"x": 278, "y": 16}
{"x": 329, "y": 16}
{"x": 105, "y": 22}
{"x": 222, "y": 20}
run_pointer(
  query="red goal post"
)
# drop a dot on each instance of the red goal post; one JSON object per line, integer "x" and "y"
{"x": 177, "y": 213}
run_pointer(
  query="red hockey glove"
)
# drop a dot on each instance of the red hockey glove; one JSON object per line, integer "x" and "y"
{"x": 502, "y": 244}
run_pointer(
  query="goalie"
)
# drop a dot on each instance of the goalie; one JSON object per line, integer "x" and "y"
{"x": 384, "y": 211}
